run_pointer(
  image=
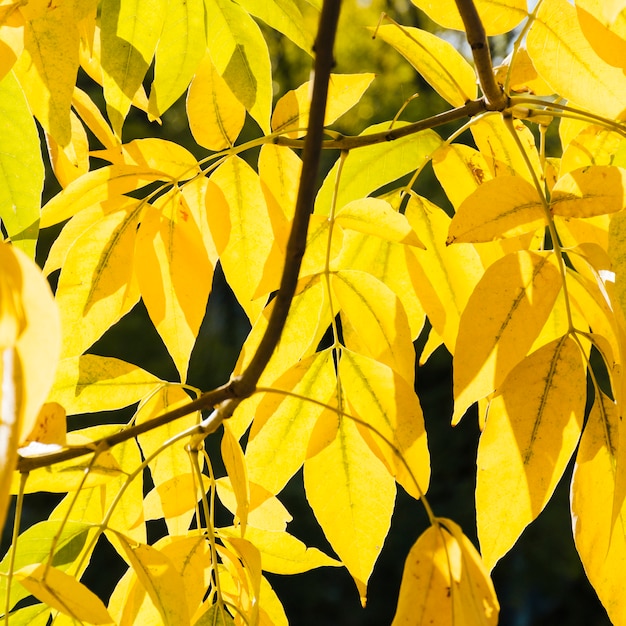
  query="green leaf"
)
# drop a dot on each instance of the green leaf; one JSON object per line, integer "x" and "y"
{"x": 21, "y": 167}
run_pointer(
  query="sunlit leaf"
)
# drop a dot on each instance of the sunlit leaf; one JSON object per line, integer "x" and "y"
{"x": 235, "y": 465}
{"x": 21, "y": 167}
{"x": 533, "y": 425}
{"x": 518, "y": 292}
{"x": 291, "y": 112}
{"x": 72, "y": 161}
{"x": 63, "y": 593}
{"x": 437, "y": 60}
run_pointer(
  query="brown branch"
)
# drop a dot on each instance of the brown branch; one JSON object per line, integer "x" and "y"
{"x": 496, "y": 99}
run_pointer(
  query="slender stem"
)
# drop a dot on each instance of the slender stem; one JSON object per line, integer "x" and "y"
{"x": 495, "y": 98}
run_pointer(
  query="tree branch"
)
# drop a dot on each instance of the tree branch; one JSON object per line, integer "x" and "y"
{"x": 496, "y": 100}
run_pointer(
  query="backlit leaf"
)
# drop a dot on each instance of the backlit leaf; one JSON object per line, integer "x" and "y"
{"x": 130, "y": 33}
{"x": 72, "y": 161}
{"x": 216, "y": 117}
{"x": 179, "y": 51}
{"x": 505, "y": 206}
{"x": 347, "y": 482}
{"x": 533, "y": 425}
{"x": 21, "y": 167}
{"x": 63, "y": 593}
{"x": 107, "y": 383}
{"x": 235, "y": 465}
{"x": 518, "y": 292}
{"x": 589, "y": 191}
{"x": 291, "y": 112}
{"x": 598, "y": 532}
{"x": 497, "y": 16}
{"x": 439, "y": 63}
{"x": 567, "y": 62}
{"x": 240, "y": 55}
{"x": 384, "y": 400}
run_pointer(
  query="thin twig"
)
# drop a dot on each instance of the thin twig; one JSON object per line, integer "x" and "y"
{"x": 496, "y": 100}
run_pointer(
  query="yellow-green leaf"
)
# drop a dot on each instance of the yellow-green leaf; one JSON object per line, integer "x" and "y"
{"x": 369, "y": 168}
{"x": 90, "y": 381}
{"x": 64, "y": 593}
{"x": 437, "y": 60}
{"x": 385, "y": 401}
{"x": 503, "y": 316}
{"x": 179, "y": 51}
{"x": 159, "y": 577}
{"x": 565, "y": 59}
{"x": 240, "y": 55}
{"x": 130, "y": 33}
{"x": 21, "y": 167}
{"x": 282, "y": 553}
{"x": 375, "y": 314}
{"x": 505, "y": 206}
{"x": 533, "y": 425}
{"x": 374, "y": 216}
{"x": 589, "y": 191}
{"x": 497, "y": 17}
{"x": 291, "y": 113}
{"x": 242, "y": 230}
{"x": 282, "y": 427}
{"x": 599, "y": 531}
{"x": 347, "y": 482}
{"x": 96, "y": 286}
{"x": 216, "y": 116}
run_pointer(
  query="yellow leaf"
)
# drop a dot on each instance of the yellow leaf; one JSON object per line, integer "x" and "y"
{"x": 291, "y": 113}
{"x": 21, "y": 167}
{"x": 522, "y": 74}
{"x": 391, "y": 263}
{"x": 500, "y": 150}
{"x": 159, "y": 577}
{"x": 505, "y": 206}
{"x": 444, "y": 582}
{"x": 90, "y": 381}
{"x": 437, "y": 60}
{"x": 172, "y": 498}
{"x": 605, "y": 35}
{"x": 567, "y": 62}
{"x": 174, "y": 275}
{"x": 503, "y": 316}
{"x": 63, "y": 593}
{"x": 282, "y": 427}
{"x": 194, "y": 193}
{"x": 266, "y": 511}
{"x": 599, "y": 530}
{"x": 242, "y": 230}
{"x": 50, "y": 427}
{"x": 96, "y": 286}
{"x": 240, "y": 55}
{"x": 91, "y": 116}
{"x": 47, "y": 68}
{"x": 444, "y": 276}
{"x": 385, "y": 401}
{"x": 179, "y": 51}
{"x": 593, "y": 145}
{"x": 11, "y": 37}
{"x": 589, "y": 191}
{"x": 282, "y": 553}
{"x": 374, "y": 216}
{"x": 235, "y": 465}
{"x": 216, "y": 116}
{"x": 533, "y": 426}
{"x": 497, "y": 17}
{"x": 347, "y": 483}
{"x": 105, "y": 184}
{"x": 461, "y": 170}
{"x": 376, "y": 315}
{"x": 130, "y": 33}
{"x": 72, "y": 161}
